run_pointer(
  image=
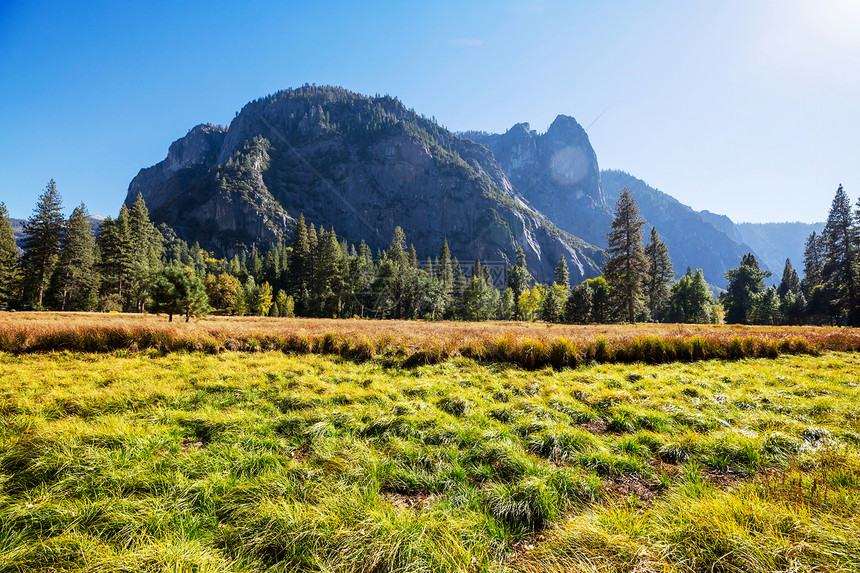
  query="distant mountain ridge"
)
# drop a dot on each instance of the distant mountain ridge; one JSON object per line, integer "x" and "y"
{"x": 18, "y": 228}
{"x": 775, "y": 242}
{"x": 693, "y": 239}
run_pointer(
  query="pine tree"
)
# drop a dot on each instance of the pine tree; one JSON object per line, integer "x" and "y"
{"x": 745, "y": 283}
{"x": 114, "y": 243}
{"x": 577, "y": 309}
{"x": 626, "y": 268}
{"x": 444, "y": 271}
{"x": 396, "y": 252}
{"x": 660, "y": 275}
{"x": 519, "y": 280}
{"x": 43, "y": 232}
{"x": 562, "y": 276}
{"x": 10, "y": 275}
{"x": 790, "y": 282}
{"x": 145, "y": 246}
{"x": 300, "y": 265}
{"x": 412, "y": 257}
{"x": 179, "y": 291}
{"x": 327, "y": 278}
{"x": 813, "y": 262}
{"x": 554, "y": 303}
{"x": 690, "y": 299}
{"x": 75, "y": 279}
{"x": 839, "y": 272}
{"x": 458, "y": 288}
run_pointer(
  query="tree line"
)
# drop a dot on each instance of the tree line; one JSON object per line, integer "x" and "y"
{"x": 133, "y": 266}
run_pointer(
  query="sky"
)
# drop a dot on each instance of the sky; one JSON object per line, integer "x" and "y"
{"x": 745, "y": 108}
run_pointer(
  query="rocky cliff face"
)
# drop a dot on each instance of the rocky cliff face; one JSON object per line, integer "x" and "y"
{"x": 361, "y": 165}
{"x": 555, "y": 172}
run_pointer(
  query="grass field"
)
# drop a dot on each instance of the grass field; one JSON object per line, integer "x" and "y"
{"x": 530, "y": 345}
{"x": 137, "y": 459}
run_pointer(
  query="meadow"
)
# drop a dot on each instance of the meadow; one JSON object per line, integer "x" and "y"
{"x": 143, "y": 456}
{"x": 529, "y": 345}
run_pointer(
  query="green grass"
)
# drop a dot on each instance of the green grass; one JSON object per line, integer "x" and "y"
{"x": 266, "y": 461}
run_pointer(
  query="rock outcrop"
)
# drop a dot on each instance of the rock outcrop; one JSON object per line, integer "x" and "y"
{"x": 555, "y": 172}
{"x": 361, "y": 165}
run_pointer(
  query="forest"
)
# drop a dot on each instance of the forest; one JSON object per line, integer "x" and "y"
{"x": 131, "y": 265}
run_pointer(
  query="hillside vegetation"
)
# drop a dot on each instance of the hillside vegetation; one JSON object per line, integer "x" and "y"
{"x": 145, "y": 461}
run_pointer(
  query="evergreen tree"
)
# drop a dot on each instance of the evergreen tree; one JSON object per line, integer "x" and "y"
{"x": 601, "y": 296}
{"x": 179, "y": 291}
{"x": 75, "y": 279}
{"x": 457, "y": 289}
{"x": 554, "y": 303}
{"x": 562, "y": 276}
{"x": 10, "y": 275}
{"x": 412, "y": 257}
{"x": 813, "y": 262}
{"x": 790, "y": 282}
{"x": 300, "y": 265}
{"x": 313, "y": 246}
{"x": 765, "y": 308}
{"x": 43, "y": 232}
{"x": 660, "y": 275}
{"x": 145, "y": 246}
{"x": 444, "y": 271}
{"x": 626, "y": 268}
{"x": 745, "y": 283}
{"x": 116, "y": 262}
{"x": 690, "y": 299}
{"x": 577, "y": 309}
{"x": 839, "y": 272}
{"x": 792, "y": 308}
{"x": 396, "y": 253}
{"x": 327, "y": 283}
{"x": 519, "y": 280}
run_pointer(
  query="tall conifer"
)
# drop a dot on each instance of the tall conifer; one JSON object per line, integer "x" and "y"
{"x": 626, "y": 268}
{"x": 43, "y": 232}
{"x": 519, "y": 280}
{"x": 76, "y": 282}
{"x": 659, "y": 276}
{"x": 562, "y": 275}
{"x": 9, "y": 272}
{"x": 813, "y": 262}
{"x": 839, "y": 272}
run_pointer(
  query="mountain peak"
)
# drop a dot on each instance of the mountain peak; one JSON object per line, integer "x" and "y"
{"x": 363, "y": 165}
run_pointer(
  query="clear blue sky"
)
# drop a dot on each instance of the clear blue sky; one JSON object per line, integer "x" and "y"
{"x": 745, "y": 108}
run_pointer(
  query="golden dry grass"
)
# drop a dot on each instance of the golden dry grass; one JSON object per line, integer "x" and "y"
{"x": 527, "y": 344}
